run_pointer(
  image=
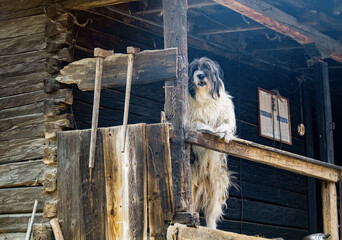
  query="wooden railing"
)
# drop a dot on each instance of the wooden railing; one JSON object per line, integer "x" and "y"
{"x": 328, "y": 173}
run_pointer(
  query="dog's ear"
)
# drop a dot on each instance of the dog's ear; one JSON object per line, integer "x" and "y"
{"x": 217, "y": 76}
{"x": 192, "y": 68}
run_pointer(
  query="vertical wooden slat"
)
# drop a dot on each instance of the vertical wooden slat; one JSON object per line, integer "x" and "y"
{"x": 92, "y": 189}
{"x": 125, "y": 179}
{"x": 324, "y": 115}
{"x": 329, "y": 208}
{"x": 69, "y": 185}
{"x": 176, "y": 102}
{"x": 309, "y": 150}
{"x": 160, "y": 197}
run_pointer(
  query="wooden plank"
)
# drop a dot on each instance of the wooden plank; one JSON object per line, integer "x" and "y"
{"x": 265, "y": 213}
{"x": 22, "y": 127}
{"x": 62, "y": 95}
{"x": 112, "y": 100}
{"x": 20, "y": 200}
{"x": 22, "y": 63}
{"x": 182, "y": 232}
{"x": 20, "y": 83}
{"x": 15, "y": 7}
{"x": 86, "y": 4}
{"x": 35, "y": 42}
{"x": 176, "y": 101}
{"x": 275, "y": 195}
{"x": 30, "y": 173}
{"x": 309, "y": 150}
{"x": 323, "y": 112}
{"x": 269, "y": 156}
{"x": 150, "y": 66}
{"x": 12, "y": 236}
{"x": 286, "y": 24}
{"x": 265, "y": 230}
{"x": 69, "y": 185}
{"x": 159, "y": 167}
{"x": 329, "y": 210}
{"x": 16, "y": 150}
{"x": 125, "y": 177}
{"x": 10, "y": 223}
{"x": 22, "y": 26}
{"x": 156, "y": 6}
{"x": 93, "y": 191}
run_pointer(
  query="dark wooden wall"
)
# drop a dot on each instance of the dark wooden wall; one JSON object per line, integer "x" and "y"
{"x": 267, "y": 201}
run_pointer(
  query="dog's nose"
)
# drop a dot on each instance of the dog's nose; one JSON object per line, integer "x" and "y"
{"x": 200, "y": 76}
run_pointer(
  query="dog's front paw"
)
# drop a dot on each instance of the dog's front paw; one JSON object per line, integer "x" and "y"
{"x": 204, "y": 128}
{"x": 224, "y": 132}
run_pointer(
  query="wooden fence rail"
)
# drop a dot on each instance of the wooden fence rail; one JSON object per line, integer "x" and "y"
{"x": 329, "y": 173}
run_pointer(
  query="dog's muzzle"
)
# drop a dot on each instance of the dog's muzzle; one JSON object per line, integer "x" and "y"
{"x": 201, "y": 81}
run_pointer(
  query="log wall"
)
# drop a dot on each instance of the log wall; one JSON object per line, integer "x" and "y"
{"x": 32, "y": 109}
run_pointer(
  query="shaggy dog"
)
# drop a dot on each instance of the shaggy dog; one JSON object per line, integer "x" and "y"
{"x": 211, "y": 110}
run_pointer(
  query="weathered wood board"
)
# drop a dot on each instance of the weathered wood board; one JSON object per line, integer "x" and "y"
{"x": 12, "y": 236}
{"x": 113, "y": 205}
{"x": 329, "y": 210}
{"x": 20, "y": 200}
{"x": 182, "y": 232}
{"x": 176, "y": 101}
{"x": 28, "y": 173}
{"x": 10, "y": 223}
{"x": 21, "y": 149}
{"x": 149, "y": 66}
{"x": 125, "y": 177}
{"x": 85, "y": 4}
{"x": 269, "y": 156}
{"x": 160, "y": 193}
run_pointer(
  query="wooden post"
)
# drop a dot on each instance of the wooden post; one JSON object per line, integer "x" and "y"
{"x": 176, "y": 102}
{"x": 323, "y": 108}
{"x": 329, "y": 209}
{"x": 56, "y": 228}
{"x": 100, "y": 54}
{"x": 309, "y": 149}
{"x": 131, "y": 51}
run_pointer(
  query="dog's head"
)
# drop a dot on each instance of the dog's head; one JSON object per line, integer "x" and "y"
{"x": 205, "y": 78}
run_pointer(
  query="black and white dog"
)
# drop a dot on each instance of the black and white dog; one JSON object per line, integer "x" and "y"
{"x": 211, "y": 109}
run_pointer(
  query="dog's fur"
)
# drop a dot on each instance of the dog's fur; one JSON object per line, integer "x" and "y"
{"x": 211, "y": 109}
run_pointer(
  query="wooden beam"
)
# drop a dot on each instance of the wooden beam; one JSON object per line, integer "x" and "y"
{"x": 156, "y": 6}
{"x": 286, "y": 24}
{"x": 221, "y": 31}
{"x": 267, "y": 155}
{"x": 87, "y": 4}
{"x": 176, "y": 101}
{"x": 149, "y": 66}
{"x": 323, "y": 112}
{"x": 329, "y": 210}
{"x": 182, "y": 232}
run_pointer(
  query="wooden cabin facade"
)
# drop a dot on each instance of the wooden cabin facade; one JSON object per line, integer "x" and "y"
{"x": 289, "y": 46}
